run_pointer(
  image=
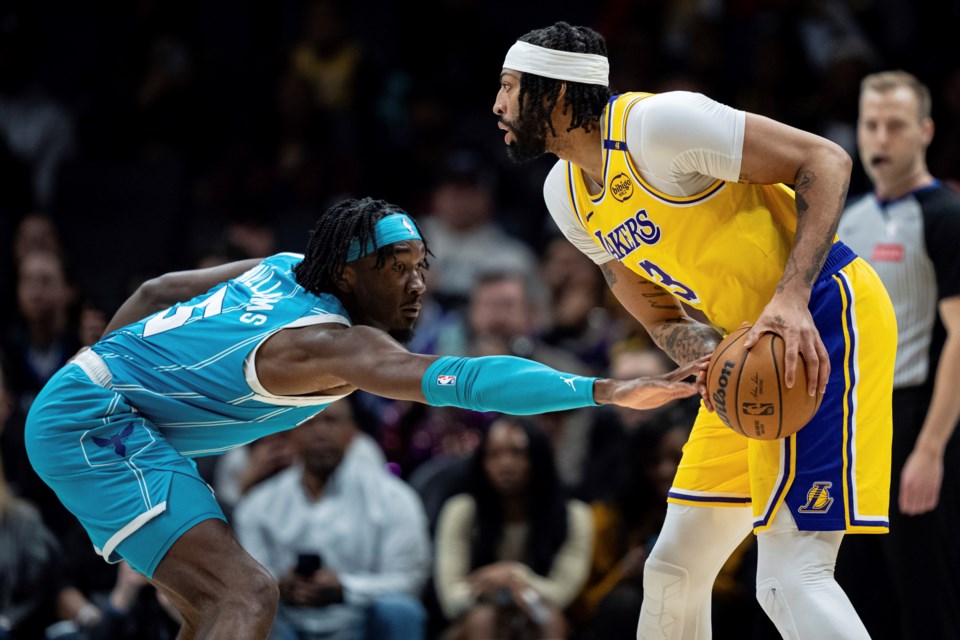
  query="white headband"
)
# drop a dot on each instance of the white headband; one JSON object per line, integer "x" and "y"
{"x": 588, "y": 68}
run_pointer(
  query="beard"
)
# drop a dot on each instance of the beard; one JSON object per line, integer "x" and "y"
{"x": 529, "y": 143}
{"x": 403, "y": 336}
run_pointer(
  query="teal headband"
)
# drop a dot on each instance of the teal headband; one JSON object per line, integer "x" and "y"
{"x": 395, "y": 227}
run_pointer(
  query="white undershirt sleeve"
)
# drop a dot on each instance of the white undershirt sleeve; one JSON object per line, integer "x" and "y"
{"x": 558, "y": 204}
{"x": 682, "y": 142}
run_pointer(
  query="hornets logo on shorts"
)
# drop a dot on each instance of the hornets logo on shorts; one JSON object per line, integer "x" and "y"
{"x": 818, "y": 498}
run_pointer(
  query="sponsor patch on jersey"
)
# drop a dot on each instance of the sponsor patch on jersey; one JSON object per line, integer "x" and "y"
{"x": 621, "y": 187}
{"x": 887, "y": 252}
{"x": 446, "y": 381}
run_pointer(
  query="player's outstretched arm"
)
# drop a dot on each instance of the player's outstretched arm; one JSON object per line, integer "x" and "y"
{"x": 163, "y": 291}
{"x": 371, "y": 360}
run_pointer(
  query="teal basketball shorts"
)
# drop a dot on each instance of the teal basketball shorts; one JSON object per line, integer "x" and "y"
{"x": 130, "y": 489}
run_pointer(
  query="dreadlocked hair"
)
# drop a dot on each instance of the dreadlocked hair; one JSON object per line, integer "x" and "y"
{"x": 330, "y": 240}
{"x": 584, "y": 102}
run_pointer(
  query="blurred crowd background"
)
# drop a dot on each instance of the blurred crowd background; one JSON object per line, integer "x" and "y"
{"x": 143, "y": 137}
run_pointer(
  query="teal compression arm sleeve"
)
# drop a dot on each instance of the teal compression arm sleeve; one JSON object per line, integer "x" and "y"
{"x": 504, "y": 384}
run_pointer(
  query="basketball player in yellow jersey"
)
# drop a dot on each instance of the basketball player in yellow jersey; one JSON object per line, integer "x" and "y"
{"x": 681, "y": 199}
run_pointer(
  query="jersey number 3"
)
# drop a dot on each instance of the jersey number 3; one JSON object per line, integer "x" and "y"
{"x": 663, "y": 278}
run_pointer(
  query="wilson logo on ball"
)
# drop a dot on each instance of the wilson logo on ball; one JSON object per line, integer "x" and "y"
{"x": 748, "y": 392}
{"x": 719, "y": 396}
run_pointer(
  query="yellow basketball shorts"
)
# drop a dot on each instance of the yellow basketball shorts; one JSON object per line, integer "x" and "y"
{"x": 834, "y": 474}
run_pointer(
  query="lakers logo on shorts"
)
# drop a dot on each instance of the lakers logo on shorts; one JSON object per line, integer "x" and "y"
{"x": 818, "y": 498}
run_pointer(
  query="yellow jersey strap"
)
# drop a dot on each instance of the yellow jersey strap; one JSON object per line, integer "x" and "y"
{"x": 615, "y": 119}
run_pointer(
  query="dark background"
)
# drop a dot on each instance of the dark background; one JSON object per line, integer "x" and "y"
{"x": 160, "y": 134}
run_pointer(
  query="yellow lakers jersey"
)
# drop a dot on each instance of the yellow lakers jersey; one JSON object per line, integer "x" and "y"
{"x": 721, "y": 251}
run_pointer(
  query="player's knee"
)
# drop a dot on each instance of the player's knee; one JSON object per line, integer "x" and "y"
{"x": 254, "y": 596}
{"x": 665, "y": 595}
{"x": 773, "y": 599}
{"x": 260, "y": 593}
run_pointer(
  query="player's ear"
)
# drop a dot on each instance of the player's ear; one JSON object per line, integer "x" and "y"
{"x": 926, "y": 131}
{"x": 346, "y": 278}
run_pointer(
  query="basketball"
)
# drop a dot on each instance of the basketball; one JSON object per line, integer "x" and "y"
{"x": 748, "y": 391}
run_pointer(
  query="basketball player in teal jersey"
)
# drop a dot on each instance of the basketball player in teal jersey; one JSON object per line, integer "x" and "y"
{"x": 262, "y": 347}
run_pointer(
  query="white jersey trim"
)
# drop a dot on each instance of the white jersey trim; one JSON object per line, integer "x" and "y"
{"x": 250, "y": 370}
{"x": 128, "y": 530}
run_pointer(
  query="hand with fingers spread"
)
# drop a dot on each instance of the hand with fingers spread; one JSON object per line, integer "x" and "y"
{"x": 791, "y": 320}
{"x": 652, "y": 391}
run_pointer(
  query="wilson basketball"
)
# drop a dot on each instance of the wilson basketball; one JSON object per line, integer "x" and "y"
{"x": 748, "y": 391}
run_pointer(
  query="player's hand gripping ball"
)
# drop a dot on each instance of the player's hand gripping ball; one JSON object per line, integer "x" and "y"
{"x": 748, "y": 392}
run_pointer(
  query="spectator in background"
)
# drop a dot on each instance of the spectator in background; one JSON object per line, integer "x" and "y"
{"x": 43, "y": 337}
{"x": 36, "y": 129}
{"x": 613, "y": 436}
{"x": 503, "y": 317}
{"x": 464, "y": 236}
{"x": 239, "y": 470}
{"x": 84, "y": 585}
{"x": 243, "y": 468}
{"x": 328, "y": 57}
{"x": 627, "y": 521}
{"x": 579, "y": 320}
{"x": 36, "y": 232}
{"x": 132, "y": 609}
{"x": 512, "y": 551}
{"x": 908, "y": 230}
{"x": 40, "y": 341}
{"x": 364, "y": 529}
{"x": 28, "y": 557}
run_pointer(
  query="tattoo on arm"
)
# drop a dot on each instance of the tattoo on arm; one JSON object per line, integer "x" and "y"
{"x": 657, "y": 298}
{"x": 806, "y": 179}
{"x": 684, "y": 339}
{"x": 608, "y": 274}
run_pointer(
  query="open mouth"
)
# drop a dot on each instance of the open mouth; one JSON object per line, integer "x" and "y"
{"x": 508, "y": 132}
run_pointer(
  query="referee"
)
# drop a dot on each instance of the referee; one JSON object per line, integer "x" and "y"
{"x": 909, "y": 231}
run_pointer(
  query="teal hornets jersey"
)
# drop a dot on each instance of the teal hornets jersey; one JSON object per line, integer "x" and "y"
{"x": 189, "y": 369}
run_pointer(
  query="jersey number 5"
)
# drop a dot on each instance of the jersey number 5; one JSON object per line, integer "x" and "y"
{"x": 161, "y": 322}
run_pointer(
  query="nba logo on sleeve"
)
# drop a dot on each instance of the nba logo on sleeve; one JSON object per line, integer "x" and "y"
{"x": 446, "y": 381}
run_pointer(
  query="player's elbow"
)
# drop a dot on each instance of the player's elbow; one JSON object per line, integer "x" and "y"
{"x": 160, "y": 292}
{"x": 837, "y": 157}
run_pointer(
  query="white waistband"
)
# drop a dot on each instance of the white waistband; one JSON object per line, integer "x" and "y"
{"x": 95, "y": 368}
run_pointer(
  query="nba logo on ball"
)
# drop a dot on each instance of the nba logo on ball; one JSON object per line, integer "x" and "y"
{"x": 748, "y": 391}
